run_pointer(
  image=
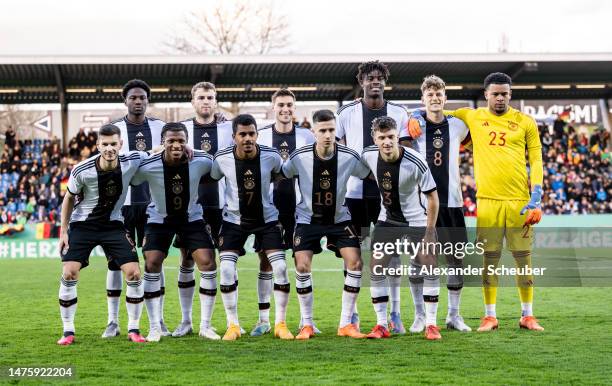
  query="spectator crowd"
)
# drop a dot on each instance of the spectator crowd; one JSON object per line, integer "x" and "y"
{"x": 577, "y": 174}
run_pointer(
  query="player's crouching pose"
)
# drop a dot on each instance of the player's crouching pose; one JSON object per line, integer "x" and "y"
{"x": 173, "y": 181}
{"x": 100, "y": 183}
{"x": 402, "y": 174}
{"x": 323, "y": 170}
{"x": 248, "y": 169}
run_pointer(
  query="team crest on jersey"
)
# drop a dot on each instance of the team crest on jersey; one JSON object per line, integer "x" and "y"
{"x": 324, "y": 183}
{"x": 512, "y": 126}
{"x": 249, "y": 182}
{"x": 206, "y": 146}
{"x": 111, "y": 189}
{"x": 387, "y": 184}
{"x": 141, "y": 143}
{"x": 297, "y": 240}
{"x": 284, "y": 150}
{"x": 438, "y": 143}
{"x": 177, "y": 185}
{"x": 220, "y": 241}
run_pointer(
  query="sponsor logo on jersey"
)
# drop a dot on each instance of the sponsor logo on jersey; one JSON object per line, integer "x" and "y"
{"x": 438, "y": 132}
{"x": 485, "y": 123}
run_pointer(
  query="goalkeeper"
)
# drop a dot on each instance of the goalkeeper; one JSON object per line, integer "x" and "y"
{"x": 500, "y": 134}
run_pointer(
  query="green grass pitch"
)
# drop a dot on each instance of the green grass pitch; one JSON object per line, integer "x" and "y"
{"x": 575, "y": 348}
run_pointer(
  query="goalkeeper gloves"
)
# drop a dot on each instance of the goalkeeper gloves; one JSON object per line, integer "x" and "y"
{"x": 416, "y": 124}
{"x": 534, "y": 206}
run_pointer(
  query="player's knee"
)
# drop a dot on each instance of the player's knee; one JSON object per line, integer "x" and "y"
{"x": 186, "y": 259}
{"x": 354, "y": 265}
{"x": 207, "y": 265}
{"x": 302, "y": 267}
{"x": 154, "y": 265}
{"x": 280, "y": 268}
{"x": 70, "y": 274}
{"x": 264, "y": 263}
{"x": 132, "y": 274}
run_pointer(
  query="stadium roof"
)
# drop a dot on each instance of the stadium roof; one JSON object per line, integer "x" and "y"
{"x": 86, "y": 79}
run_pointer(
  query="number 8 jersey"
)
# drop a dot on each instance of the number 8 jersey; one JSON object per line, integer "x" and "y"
{"x": 439, "y": 145}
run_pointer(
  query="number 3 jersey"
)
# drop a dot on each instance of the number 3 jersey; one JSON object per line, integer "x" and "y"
{"x": 174, "y": 189}
{"x": 323, "y": 183}
{"x": 439, "y": 145}
{"x": 247, "y": 185}
{"x": 101, "y": 193}
{"x": 402, "y": 185}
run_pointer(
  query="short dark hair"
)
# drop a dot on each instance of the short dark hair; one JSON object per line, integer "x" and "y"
{"x": 323, "y": 116}
{"x": 135, "y": 83}
{"x": 206, "y": 86}
{"x": 383, "y": 124}
{"x": 109, "y": 129}
{"x": 497, "y": 78}
{"x": 174, "y": 126}
{"x": 243, "y": 120}
{"x": 282, "y": 92}
{"x": 366, "y": 67}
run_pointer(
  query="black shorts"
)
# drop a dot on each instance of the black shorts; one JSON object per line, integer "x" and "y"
{"x": 307, "y": 237}
{"x": 135, "y": 219}
{"x": 450, "y": 225}
{"x": 193, "y": 235}
{"x": 83, "y": 237}
{"x": 287, "y": 223}
{"x": 363, "y": 212}
{"x": 233, "y": 236}
{"x": 213, "y": 218}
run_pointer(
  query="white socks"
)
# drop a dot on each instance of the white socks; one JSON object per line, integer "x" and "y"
{"x": 152, "y": 291}
{"x": 186, "y": 289}
{"x": 134, "y": 296}
{"x": 352, "y": 284}
{"x": 264, "y": 291}
{"x": 228, "y": 286}
{"x": 208, "y": 292}
{"x": 380, "y": 297}
{"x": 68, "y": 304}
{"x": 114, "y": 282}
{"x": 281, "y": 285}
{"x": 303, "y": 287}
{"x": 431, "y": 292}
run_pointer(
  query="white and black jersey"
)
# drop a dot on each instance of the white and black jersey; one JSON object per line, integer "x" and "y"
{"x": 285, "y": 194}
{"x": 439, "y": 145}
{"x": 247, "y": 185}
{"x": 355, "y": 126}
{"x": 210, "y": 138}
{"x": 140, "y": 137}
{"x": 100, "y": 193}
{"x": 402, "y": 185}
{"x": 323, "y": 183}
{"x": 174, "y": 189}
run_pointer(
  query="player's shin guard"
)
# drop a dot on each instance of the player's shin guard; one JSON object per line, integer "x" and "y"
{"x": 416, "y": 288}
{"x": 114, "y": 282}
{"x": 151, "y": 297}
{"x": 186, "y": 289}
{"x": 68, "y": 304}
{"x": 524, "y": 283}
{"x": 395, "y": 285}
{"x": 490, "y": 282}
{"x": 303, "y": 287}
{"x": 134, "y": 296}
{"x": 281, "y": 285}
{"x": 264, "y": 291}
{"x": 380, "y": 297}
{"x": 208, "y": 292}
{"x": 228, "y": 286}
{"x": 431, "y": 292}
{"x": 352, "y": 284}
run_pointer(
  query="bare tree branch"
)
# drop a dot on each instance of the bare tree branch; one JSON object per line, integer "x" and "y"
{"x": 241, "y": 28}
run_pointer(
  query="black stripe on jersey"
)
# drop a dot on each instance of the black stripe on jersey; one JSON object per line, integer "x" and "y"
{"x": 324, "y": 188}
{"x": 345, "y": 106}
{"x": 437, "y": 151}
{"x": 284, "y": 142}
{"x": 129, "y": 158}
{"x": 284, "y": 190}
{"x": 387, "y": 175}
{"x": 370, "y": 190}
{"x": 227, "y": 150}
{"x": 412, "y": 158}
{"x": 110, "y": 187}
{"x": 156, "y": 157}
{"x": 346, "y": 149}
{"x": 205, "y": 137}
{"x": 303, "y": 149}
{"x": 76, "y": 171}
{"x": 248, "y": 176}
{"x": 370, "y": 148}
{"x": 176, "y": 191}
{"x": 398, "y": 105}
{"x": 268, "y": 149}
{"x": 139, "y": 135}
